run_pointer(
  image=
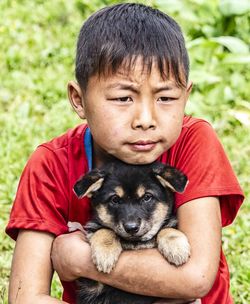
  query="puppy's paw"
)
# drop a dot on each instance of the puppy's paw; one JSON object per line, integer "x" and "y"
{"x": 106, "y": 249}
{"x": 174, "y": 246}
{"x": 105, "y": 259}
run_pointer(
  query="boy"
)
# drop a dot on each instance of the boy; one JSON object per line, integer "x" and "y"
{"x": 132, "y": 87}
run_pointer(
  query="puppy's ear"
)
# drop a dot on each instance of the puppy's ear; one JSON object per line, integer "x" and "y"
{"x": 170, "y": 177}
{"x": 89, "y": 183}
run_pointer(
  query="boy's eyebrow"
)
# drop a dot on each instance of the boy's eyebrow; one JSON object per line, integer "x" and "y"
{"x": 121, "y": 86}
{"x": 165, "y": 87}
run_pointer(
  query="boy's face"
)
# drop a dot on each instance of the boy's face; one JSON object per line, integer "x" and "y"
{"x": 133, "y": 116}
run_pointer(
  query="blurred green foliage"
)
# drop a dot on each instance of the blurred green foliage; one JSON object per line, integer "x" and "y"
{"x": 37, "y": 52}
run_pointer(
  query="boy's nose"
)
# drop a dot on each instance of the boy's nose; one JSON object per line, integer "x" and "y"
{"x": 144, "y": 117}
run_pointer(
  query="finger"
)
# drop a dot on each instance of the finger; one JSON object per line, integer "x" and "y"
{"x": 73, "y": 226}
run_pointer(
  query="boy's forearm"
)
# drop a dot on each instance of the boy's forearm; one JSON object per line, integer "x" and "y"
{"x": 141, "y": 271}
{"x": 147, "y": 272}
{"x": 42, "y": 299}
{"x": 31, "y": 271}
{"x": 38, "y": 299}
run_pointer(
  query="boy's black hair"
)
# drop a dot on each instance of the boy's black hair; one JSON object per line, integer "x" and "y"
{"x": 119, "y": 34}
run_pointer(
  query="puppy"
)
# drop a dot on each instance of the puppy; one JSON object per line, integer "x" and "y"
{"x": 132, "y": 209}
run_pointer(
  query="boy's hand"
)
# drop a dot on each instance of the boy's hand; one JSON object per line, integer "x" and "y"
{"x": 74, "y": 226}
{"x": 63, "y": 249}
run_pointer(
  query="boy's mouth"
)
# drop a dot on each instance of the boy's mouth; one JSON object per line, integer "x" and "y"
{"x": 143, "y": 145}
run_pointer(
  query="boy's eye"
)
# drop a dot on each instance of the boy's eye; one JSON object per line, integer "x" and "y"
{"x": 147, "y": 197}
{"x": 165, "y": 99}
{"x": 123, "y": 99}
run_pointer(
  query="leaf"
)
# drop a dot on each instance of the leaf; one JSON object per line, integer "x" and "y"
{"x": 171, "y": 5}
{"x": 236, "y": 59}
{"x": 234, "y": 7}
{"x": 234, "y": 44}
{"x": 242, "y": 116}
{"x": 204, "y": 77}
{"x": 195, "y": 42}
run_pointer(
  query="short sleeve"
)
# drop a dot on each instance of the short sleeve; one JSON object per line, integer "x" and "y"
{"x": 41, "y": 201}
{"x": 200, "y": 155}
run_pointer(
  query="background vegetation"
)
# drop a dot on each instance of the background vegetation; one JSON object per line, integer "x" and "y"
{"x": 37, "y": 40}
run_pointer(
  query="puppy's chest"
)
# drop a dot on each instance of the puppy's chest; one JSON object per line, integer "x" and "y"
{"x": 128, "y": 245}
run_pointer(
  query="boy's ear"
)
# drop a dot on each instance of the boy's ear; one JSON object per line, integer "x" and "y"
{"x": 76, "y": 98}
{"x": 170, "y": 177}
{"x": 189, "y": 88}
{"x": 89, "y": 183}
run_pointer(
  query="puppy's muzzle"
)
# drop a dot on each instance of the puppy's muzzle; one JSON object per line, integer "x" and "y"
{"x": 132, "y": 227}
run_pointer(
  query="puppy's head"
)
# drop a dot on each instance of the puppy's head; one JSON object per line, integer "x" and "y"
{"x": 134, "y": 201}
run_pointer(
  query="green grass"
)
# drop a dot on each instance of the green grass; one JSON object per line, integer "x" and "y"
{"x": 37, "y": 52}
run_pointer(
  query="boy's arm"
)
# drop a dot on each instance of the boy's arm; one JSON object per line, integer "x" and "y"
{"x": 146, "y": 271}
{"x": 31, "y": 271}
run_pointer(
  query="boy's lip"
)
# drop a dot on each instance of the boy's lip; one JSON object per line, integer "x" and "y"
{"x": 143, "y": 145}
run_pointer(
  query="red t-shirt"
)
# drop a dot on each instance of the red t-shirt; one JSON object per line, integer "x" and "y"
{"x": 45, "y": 200}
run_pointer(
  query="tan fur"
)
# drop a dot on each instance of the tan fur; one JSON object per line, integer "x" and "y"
{"x": 106, "y": 249}
{"x": 140, "y": 191}
{"x": 104, "y": 215}
{"x": 94, "y": 187}
{"x": 139, "y": 245}
{"x": 119, "y": 191}
{"x": 161, "y": 211}
{"x": 156, "y": 220}
{"x": 165, "y": 183}
{"x": 173, "y": 245}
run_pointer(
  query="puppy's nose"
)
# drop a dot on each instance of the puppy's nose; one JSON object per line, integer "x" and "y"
{"x": 131, "y": 227}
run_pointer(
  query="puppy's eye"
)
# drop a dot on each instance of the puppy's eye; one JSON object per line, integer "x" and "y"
{"x": 147, "y": 197}
{"x": 115, "y": 199}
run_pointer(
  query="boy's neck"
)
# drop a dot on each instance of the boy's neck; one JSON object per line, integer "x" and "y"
{"x": 100, "y": 157}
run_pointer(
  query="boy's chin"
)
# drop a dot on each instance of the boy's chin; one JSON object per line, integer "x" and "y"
{"x": 140, "y": 159}
{"x": 136, "y": 158}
